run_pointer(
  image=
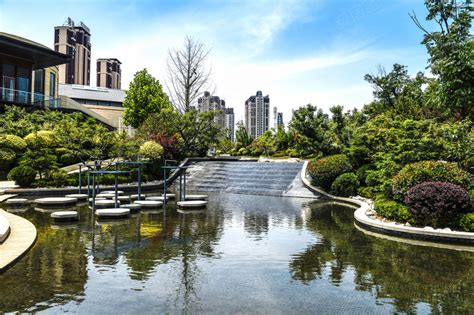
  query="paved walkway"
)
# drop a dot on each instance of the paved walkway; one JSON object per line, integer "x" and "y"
{"x": 22, "y": 237}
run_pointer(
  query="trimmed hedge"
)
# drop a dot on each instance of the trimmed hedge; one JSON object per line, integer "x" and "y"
{"x": 466, "y": 222}
{"x": 437, "y": 204}
{"x": 415, "y": 173}
{"x": 345, "y": 185}
{"x": 22, "y": 175}
{"x": 325, "y": 170}
{"x": 393, "y": 210}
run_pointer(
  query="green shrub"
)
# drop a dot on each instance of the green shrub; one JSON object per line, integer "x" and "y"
{"x": 7, "y": 156}
{"x": 151, "y": 150}
{"x": 471, "y": 196}
{"x": 466, "y": 222}
{"x": 22, "y": 175}
{"x": 325, "y": 170}
{"x": 13, "y": 142}
{"x": 362, "y": 173}
{"x": 392, "y": 210}
{"x": 46, "y": 138}
{"x": 58, "y": 178}
{"x": 415, "y": 173}
{"x": 345, "y": 185}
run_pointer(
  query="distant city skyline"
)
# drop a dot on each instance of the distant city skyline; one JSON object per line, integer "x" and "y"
{"x": 299, "y": 52}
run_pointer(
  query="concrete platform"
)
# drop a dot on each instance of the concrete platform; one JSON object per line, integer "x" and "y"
{"x": 196, "y": 197}
{"x": 82, "y": 197}
{"x": 64, "y": 215}
{"x": 112, "y": 213}
{"x": 22, "y": 237}
{"x": 4, "y": 228}
{"x": 119, "y": 192}
{"x": 55, "y": 209}
{"x": 106, "y": 196}
{"x": 149, "y": 203}
{"x": 134, "y": 207}
{"x": 56, "y": 201}
{"x": 192, "y": 204}
{"x": 157, "y": 198}
{"x": 13, "y": 202}
{"x": 106, "y": 203}
{"x": 91, "y": 199}
{"x": 171, "y": 196}
{"x": 135, "y": 196}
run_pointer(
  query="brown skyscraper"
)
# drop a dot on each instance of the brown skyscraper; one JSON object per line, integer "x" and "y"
{"x": 109, "y": 74}
{"x": 74, "y": 41}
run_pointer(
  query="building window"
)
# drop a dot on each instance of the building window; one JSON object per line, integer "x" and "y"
{"x": 8, "y": 82}
{"x": 52, "y": 85}
{"x": 39, "y": 86}
{"x": 22, "y": 84}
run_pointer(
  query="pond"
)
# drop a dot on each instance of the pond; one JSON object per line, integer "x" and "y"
{"x": 244, "y": 254}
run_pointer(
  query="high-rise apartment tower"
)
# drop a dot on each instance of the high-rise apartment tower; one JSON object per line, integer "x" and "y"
{"x": 257, "y": 114}
{"x": 230, "y": 123}
{"x": 109, "y": 74}
{"x": 209, "y": 102}
{"x": 74, "y": 41}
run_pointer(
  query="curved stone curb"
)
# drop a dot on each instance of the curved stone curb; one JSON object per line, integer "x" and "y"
{"x": 4, "y": 228}
{"x": 21, "y": 239}
{"x": 392, "y": 228}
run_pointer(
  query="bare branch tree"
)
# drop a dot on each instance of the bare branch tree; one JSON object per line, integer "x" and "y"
{"x": 188, "y": 73}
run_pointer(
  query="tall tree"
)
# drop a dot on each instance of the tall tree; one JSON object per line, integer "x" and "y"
{"x": 451, "y": 50}
{"x": 188, "y": 73}
{"x": 144, "y": 96}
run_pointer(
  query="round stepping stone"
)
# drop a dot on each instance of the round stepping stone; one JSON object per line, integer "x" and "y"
{"x": 55, "y": 209}
{"x": 123, "y": 198}
{"x": 96, "y": 198}
{"x": 56, "y": 201}
{"x": 196, "y": 197}
{"x": 171, "y": 196}
{"x": 17, "y": 201}
{"x": 191, "y": 211}
{"x": 149, "y": 203}
{"x": 106, "y": 203}
{"x": 157, "y": 198}
{"x": 113, "y": 213}
{"x": 134, "y": 207}
{"x": 134, "y": 197}
{"x": 119, "y": 192}
{"x": 192, "y": 204}
{"x": 64, "y": 215}
{"x": 106, "y": 196}
{"x": 78, "y": 196}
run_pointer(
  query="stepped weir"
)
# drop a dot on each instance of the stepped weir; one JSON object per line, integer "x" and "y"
{"x": 248, "y": 177}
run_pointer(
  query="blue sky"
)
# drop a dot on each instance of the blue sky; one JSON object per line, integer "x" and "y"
{"x": 297, "y": 51}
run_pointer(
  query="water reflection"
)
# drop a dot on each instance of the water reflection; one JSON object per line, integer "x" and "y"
{"x": 244, "y": 253}
{"x": 409, "y": 274}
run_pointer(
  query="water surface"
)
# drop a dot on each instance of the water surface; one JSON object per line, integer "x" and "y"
{"x": 244, "y": 254}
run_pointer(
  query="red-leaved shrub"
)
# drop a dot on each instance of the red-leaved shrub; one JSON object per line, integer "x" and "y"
{"x": 170, "y": 144}
{"x": 437, "y": 204}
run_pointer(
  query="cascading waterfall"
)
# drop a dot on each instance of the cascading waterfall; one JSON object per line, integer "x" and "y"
{"x": 251, "y": 178}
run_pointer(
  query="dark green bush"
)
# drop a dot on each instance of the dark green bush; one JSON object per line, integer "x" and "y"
{"x": 22, "y": 175}
{"x": 325, "y": 170}
{"x": 392, "y": 210}
{"x": 362, "y": 173}
{"x": 466, "y": 222}
{"x": 437, "y": 204}
{"x": 415, "y": 173}
{"x": 345, "y": 185}
{"x": 58, "y": 178}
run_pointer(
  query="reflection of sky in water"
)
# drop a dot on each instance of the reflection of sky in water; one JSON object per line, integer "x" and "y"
{"x": 250, "y": 254}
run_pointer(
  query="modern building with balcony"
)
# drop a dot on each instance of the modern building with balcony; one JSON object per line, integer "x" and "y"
{"x": 29, "y": 72}
{"x": 230, "y": 123}
{"x": 208, "y": 102}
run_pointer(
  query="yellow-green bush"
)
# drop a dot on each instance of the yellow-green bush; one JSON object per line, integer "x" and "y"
{"x": 151, "y": 150}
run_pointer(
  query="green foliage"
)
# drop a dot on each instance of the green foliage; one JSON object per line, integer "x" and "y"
{"x": 15, "y": 143}
{"x": 151, "y": 150}
{"x": 23, "y": 175}
{"x": 345, "y": 185}
{"x": 466, "y": 222}
{"x": 325, "y": 170}
{"x": 415, "y": 173}
{"x": 144, "y": 96}
{"x": 362, "y": 173}
{"x": 7, "y": 156}
{"x": 451, "y": 50}
{"x": 392, "y": 210}
{"x": 265, "y": 144}
{"x": 311, "y": 132}
{"x": 241, "y": 136}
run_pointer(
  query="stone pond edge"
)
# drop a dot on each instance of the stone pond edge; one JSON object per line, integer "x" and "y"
{"x": 363, "y": 220}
